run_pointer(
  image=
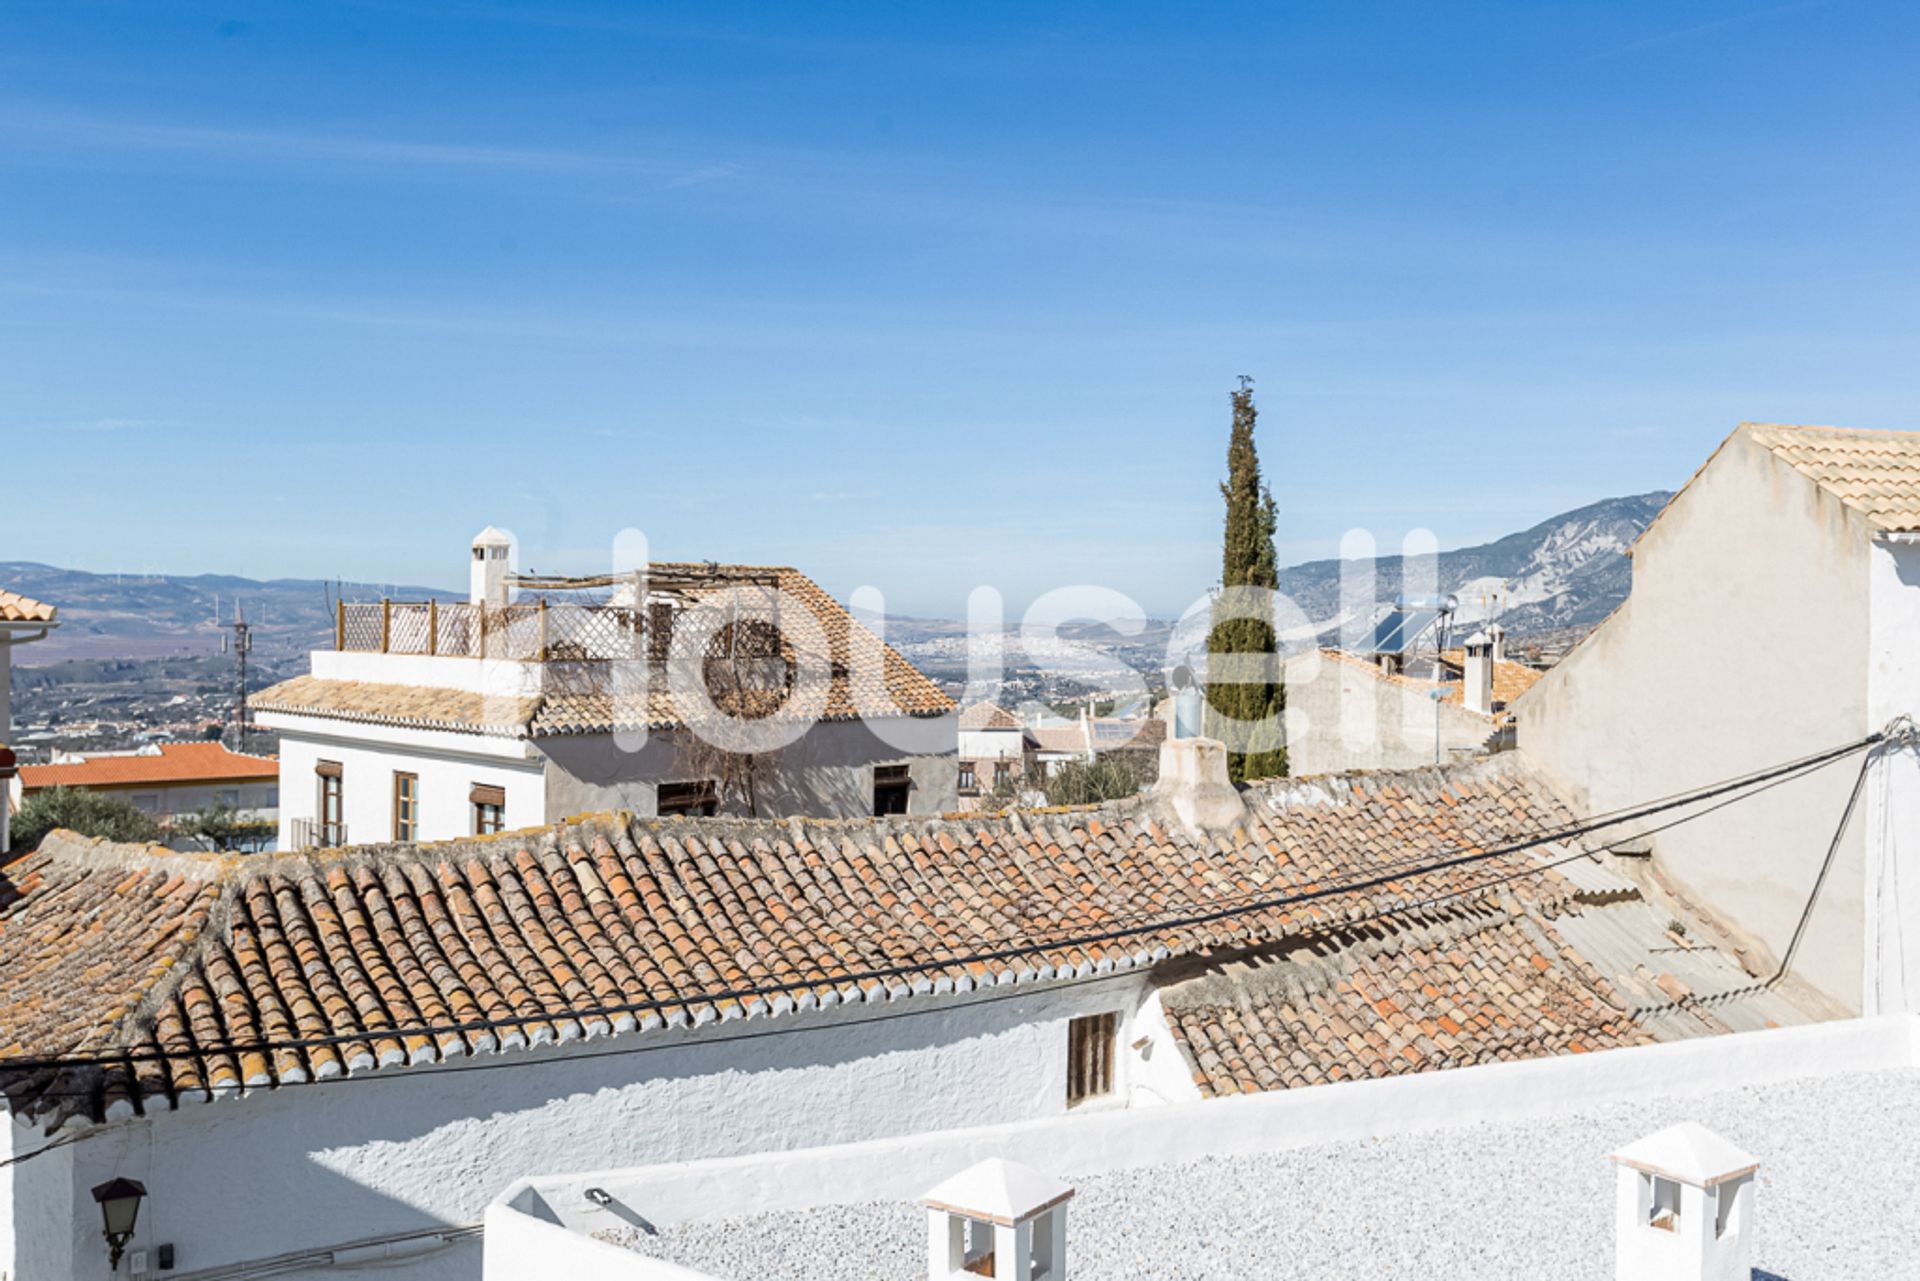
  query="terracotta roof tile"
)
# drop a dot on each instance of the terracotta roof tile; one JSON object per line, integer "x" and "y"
{"x": 988, "y": 716}
{"x": 1877, "y": 473}
{"x": 585, "y": 701}
{"x": 15, "y": 608}
{"x": 175, "y": 763}
{"x": 694, "y": 919}
{"x": 1475, "y": 985}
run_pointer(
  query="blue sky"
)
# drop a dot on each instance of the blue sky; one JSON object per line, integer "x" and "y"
{"x": 922, "y": 296}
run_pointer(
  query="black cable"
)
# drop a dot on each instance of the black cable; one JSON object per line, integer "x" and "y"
{"x": 128, "y": 1058}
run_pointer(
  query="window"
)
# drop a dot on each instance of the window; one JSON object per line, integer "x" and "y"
{"x": 891, "y": 786}
{"x": 1090, "y": 1057}
{"x": 229, "y": 797}
{"x": 1002, "y": 771}
{"x": 489, "y": 809}
{"x": 333, "y": 828}
{"x": 698, "y": 800}
{"x": 147, "y": 802}
{"x": 406, "y": 806}
{"x": 273, "y": 797}
{"x": 967, "y": 783}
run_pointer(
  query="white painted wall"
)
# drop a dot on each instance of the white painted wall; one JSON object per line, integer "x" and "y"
{"x": 1348, "y": 1112}
{"x": 307, "y": 1166}
{"x": 525, "y": 1242}
{"x": 992, "y": 744}
{"x": 449, "y": 765}
{"x": 1892, "y": 811}
{"x": 1745, "y": 642}
{"x": 1342, "y": 716}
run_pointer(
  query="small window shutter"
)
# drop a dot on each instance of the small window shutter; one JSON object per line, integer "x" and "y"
{"x": 484, "y": 795}
{"x": 327, "y": 769}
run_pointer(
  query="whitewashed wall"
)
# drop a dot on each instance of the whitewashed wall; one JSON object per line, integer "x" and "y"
{"x": 992, "y": 744}
{"x": 448, "y": 765}
{"x": 1341, "y": 716}
{"x": 1744, "y": 643}
{"x": 1891, "y": 816}
{"x": 309, "y": 1166}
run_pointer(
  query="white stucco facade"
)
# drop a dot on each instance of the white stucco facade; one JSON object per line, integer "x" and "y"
{"x": 1766, "y": 622}
{"x": 391, "y": 1152}
{"x": 1342, "y": 714}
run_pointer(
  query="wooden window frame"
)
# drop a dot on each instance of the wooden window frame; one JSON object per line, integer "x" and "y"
{"x": 488, "y": 807}
{"x": 333, "y": 797}
{"x": 892, "y": 781}
{"x": 688, "y": 798}
{"x": 412, "y": 800}
{"x": 969, "y": 780}
{"x": 1092, "y": 1053}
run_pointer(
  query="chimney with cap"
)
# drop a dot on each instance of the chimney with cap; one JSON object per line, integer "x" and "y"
{"x": 1499, "y": 637}
{"x": 997, "y": 1219}
{"x": 492, "y": 559}
{"x": 1683, "y": 1207}
{"x": 1478, "y": 672}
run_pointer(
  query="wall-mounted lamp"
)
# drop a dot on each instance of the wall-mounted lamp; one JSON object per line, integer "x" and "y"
{"x": 119, "y": 1209}
{"x": 600, "y": 1197}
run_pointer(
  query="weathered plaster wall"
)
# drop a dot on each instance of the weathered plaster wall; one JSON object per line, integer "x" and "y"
{"x": 1341, "y": 716}
{"x": 308, "y": 1166}
{"x": 1891, "y": 818}
{"x": 828, "y": 773}
{"x": 1743, "y": 644}
{"x": 448, "y": 766}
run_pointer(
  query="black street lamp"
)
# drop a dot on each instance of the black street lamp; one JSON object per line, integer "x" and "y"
{"x": 119, "y": 1207}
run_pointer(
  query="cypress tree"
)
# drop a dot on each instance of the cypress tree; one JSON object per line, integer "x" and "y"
{"x": 1247, "y": 560}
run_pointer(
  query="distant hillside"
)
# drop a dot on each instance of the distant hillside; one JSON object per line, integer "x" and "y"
{"x": 161, "y": 616}
{"x": 1566, "y": 573}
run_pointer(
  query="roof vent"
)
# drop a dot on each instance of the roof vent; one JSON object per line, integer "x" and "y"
{"x": 1478, "y": 670}
{"x": 997, "y": 1219}
{"x": 1683, "y": 1206}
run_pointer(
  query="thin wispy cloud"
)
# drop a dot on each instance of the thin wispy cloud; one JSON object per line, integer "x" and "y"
{"x": 126, "y": 134}
{"x": 1698, "y": 29}
{"x": 91, "y": 425}
{"x": 712, "y": 173}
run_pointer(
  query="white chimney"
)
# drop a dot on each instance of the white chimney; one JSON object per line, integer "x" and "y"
{"x": 1194, "y": 779}
{"x": 997, "y": 1219}
{"x": 1499, "y": 635}
{"x": 1478, "y": 672}
{"x": 492, "y": 558}
{"x": 1683, "y": 1208}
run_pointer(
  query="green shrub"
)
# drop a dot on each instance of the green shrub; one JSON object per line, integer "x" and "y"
{"x": 88, "y": 813}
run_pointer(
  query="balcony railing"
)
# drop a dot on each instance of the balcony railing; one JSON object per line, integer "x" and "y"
{"x": 539, "y": 632}
{"x": 311, "y": 833}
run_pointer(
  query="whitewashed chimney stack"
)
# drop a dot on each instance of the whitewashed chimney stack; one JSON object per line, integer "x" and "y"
{"x": 492, "y": 559}
{"x": 1479, "y": 674}
{"x": 998, "y": 1219}
{"x": 1499, "y": 635}
{"x": 1683, "y": 1208}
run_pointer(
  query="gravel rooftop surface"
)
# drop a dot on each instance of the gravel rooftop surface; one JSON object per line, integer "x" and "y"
{"x": 1838, "y": 1200}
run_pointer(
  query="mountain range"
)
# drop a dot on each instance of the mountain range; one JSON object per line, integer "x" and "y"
{"x": 1554, "y": 580}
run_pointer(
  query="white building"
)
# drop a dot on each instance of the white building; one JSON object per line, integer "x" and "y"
{"x": 336, "y": 1056}
{"x": 523, "y": 705}
{"x": 1775, "y": 613}
{"x": 21, "y": 621}
{"x": 995, "y": 749}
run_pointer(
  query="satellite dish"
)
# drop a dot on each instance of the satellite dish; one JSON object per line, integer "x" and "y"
{"x": 1181, "y": 677}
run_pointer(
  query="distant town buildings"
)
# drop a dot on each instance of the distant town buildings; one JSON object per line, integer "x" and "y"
{"x": 430, "y": 720}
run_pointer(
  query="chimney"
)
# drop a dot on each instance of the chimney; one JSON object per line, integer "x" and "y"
{"x": 1478, "y": 673}
{"x": 1499, "y": 635}
{"x": 492, "y": 558}
{"x": 1194, "y": 780}
{"x": 997, "y": 1219}
{"x": 1683, "y": 1207}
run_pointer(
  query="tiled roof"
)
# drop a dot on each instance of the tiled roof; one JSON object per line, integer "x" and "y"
{"x": 1474, "y": 986}
{"x": 1108, "y": 735}
{"x": 589, "y": 706}
{"x": 1877, "y": 473}
{"x": 988, "y": 716}
{"x": 15, "y": 608}
{"x": 176, "y": 763}
{"x": 708, "y": 918}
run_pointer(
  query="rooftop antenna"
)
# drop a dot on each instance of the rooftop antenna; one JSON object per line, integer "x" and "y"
{"x": 241, "y": 645}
